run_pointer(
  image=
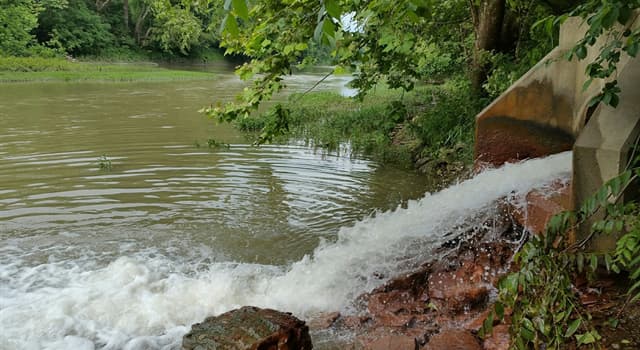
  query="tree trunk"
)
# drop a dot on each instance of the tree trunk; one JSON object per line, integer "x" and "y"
{"x": 488, "y": 19}
{"x": 139, "y": 24}
{"x": 125, "y": 10}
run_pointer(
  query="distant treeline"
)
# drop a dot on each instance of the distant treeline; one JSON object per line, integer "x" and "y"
{"x": 118, "y": 29}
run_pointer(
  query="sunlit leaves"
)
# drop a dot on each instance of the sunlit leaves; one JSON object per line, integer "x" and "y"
{"x": 241, "y": 9}
{"x": 231, "y": 25}
{"x": 545, "y": 307}
{"x": 333, "y": 8}
{"x": 602, "y": 16}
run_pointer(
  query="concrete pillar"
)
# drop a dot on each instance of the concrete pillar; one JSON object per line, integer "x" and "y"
{"x": 602, "y": 149}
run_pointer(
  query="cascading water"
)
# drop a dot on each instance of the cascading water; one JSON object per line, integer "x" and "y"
{"x": 148, "y": 299}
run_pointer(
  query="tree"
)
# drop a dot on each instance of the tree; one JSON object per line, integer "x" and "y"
{"x": 18, "y": 18}
{"x": 399, "y": 42}
{"x": 75, "y": 28}
{"x": 490, "y": 22}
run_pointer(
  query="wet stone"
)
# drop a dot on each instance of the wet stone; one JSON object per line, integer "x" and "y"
{"x": 453, "y": 339}
{"x": 249, "y": 328}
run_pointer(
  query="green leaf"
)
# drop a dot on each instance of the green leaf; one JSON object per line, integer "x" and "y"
{"x": 499, "y": 308}
{"x": 587, "y": 83}
{"x": 610, "y": 18}
{"x": 528, "y": 334}
{"x": 616, "y": 185}
{"x": 544, "y": 22}
{"x": 635, "y": 261}
{"x": 613, "y": 322}
{"x": 609, "y": 226}
{"x": 527, "y": 324}
{"x": 328, "y": 28}
{"x": 625, "y": 15}
{"x": 317, "y": 33}
{"x": 241, "y": 9}
{"x": 615, "y": 100}
{"x": 594, "y": 262}
{"x": 510, "y": 283}
{"x": 615, "y": 268}
{"x": 633, "y": 46}
{"x": 581, "y": 52}
{"x": 333, "y": 9}
{"x": 595, "y": 100}
{"x": 608, "y": 261}
{"x": 586, "y": 338}
{"x": 541, "y": 326}
{"x": 230, "y": 25}
{"x": 619, "y": 225}
{"x": 573, "y": 327}
{"x": 487, "y": 325}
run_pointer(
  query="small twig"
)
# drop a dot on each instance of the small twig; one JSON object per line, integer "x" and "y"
{"x": 624, "y": 306}
{"x": 633, "y": 153}
{"x": 525, "y": 238}
{"x": 314, "y": 86}
{"x": 454, "y": 21}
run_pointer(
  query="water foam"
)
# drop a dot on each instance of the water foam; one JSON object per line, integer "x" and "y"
{"x": 147, "y": 300}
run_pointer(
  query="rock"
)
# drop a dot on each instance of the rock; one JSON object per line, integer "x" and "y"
{"x": 395, "y": 342}
{"x": 422, "y": 161}
{"x": 249, "y": 328}
{"x": 460, "y": 289}
{"x": 475, "y": 323}
{"x": 541, "y": 205}
{"x": 499, "y": 339}
{"x": 453, "y": 339}
{"x": 324, "y": 321}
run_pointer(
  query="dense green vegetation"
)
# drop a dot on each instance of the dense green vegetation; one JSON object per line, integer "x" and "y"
{"x": 109, "y": 28}
{"x": 387, "y": 124}
{"x": 444, "y": 45}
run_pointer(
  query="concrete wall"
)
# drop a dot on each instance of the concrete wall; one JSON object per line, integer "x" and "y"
{"x": 602, "y": 149}
{"x": 546, "y": 110}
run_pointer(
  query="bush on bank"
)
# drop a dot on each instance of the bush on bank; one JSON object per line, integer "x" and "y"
{"x": 386, "y": 125}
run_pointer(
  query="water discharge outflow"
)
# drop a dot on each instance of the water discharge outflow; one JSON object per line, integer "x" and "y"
{"x": 148, "y": 300}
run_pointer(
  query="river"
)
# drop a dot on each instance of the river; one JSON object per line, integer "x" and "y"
{"x": 118, "y": 232}
{"x": 119, "y": 227}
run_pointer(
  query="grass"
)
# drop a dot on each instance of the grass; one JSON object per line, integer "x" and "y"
{"x": 330, "y": 121}
{"x": 387, "y": 125}
{"x": 35, "y": 69}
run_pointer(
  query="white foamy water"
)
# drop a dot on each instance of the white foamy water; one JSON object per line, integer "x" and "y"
{"x": 148, "y": 299}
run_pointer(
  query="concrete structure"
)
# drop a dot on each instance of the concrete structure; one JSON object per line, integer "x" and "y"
{"x": 547, "y": 111}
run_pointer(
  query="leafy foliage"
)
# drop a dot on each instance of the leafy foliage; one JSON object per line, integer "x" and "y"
{"x": 174, "y": 27}
{"x": 546, "y": 311}
{"x": 75, "y": 29}
{"x": 401, "y": 43}
{"x": 447, "y": 120}
{"x": 610, "y": 17}
{"x": 18, "y": 18}
{"x": 337, "y": 123}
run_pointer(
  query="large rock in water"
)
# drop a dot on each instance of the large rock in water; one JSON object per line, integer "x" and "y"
{"x": 249, "y": 328}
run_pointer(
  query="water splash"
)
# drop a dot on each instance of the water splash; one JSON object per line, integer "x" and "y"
{"x": 147, "y": 300}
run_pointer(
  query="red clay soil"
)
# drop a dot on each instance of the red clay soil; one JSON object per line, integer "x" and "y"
{"x": 441, "y": 305}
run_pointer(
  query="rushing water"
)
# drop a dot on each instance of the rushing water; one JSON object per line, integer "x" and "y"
{"x": 128, "y": 258}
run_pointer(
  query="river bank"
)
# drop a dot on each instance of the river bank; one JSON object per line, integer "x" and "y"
{"x": 35, "y": 69}
{"x": 448, "y": 300}
{"x": 429, "y": 129}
